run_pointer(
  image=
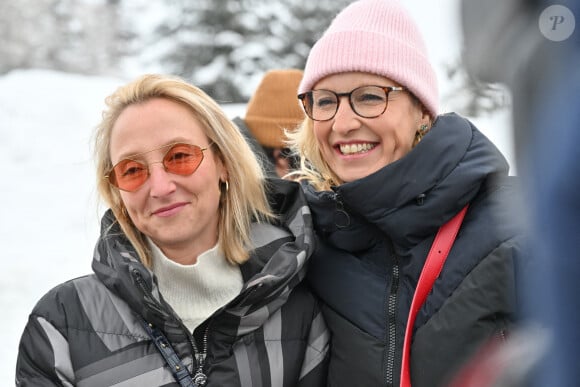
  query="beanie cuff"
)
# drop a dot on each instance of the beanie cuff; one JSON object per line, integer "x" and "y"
{"x": 269, "y": 132}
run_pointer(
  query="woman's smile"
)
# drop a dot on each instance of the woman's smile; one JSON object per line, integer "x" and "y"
{"x": 170, "y": 210}
{"x": 353, "y": 149}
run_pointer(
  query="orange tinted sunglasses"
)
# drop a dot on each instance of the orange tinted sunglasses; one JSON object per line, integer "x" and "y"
{"x": 180, "y": 159}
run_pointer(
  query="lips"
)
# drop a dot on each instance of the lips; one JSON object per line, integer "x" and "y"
{"x": 352, "y": 149}
{"x": 169, "y": 210}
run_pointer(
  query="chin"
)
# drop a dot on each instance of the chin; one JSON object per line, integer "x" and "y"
{"x": 353, "y": 176}
{"x": 349, "y": 178}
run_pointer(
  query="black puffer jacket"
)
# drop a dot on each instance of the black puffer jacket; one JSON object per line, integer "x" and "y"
{"x": 375, "y": 234}
{"x": 87, "y": 332}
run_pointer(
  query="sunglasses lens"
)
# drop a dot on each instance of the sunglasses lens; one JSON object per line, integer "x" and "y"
{"x": 180, "y": 159}
{"x": 183, "y": 159}
{"x": 129, "y": 175}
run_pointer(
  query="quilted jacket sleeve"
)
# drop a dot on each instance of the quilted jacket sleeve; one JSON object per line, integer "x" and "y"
{"x": 43, "y": 357}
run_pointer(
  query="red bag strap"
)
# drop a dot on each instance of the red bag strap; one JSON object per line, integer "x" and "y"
{"x": 433, "y": 265}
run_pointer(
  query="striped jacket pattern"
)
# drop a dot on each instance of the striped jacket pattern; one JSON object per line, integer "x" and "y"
{"x": 89, "y": 331}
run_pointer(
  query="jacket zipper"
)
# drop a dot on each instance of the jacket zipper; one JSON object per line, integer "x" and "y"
{"x": 200, "y": 378}
{"x": 342, "y": 220}
{"x": 341, "y": 217}
{"x": 392, "y": 325}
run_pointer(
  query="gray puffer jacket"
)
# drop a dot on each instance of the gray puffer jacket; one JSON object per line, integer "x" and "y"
{"x": 88, "y": 331}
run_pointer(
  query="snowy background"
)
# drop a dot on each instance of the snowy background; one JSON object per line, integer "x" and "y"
{"x": 50, "y": 218}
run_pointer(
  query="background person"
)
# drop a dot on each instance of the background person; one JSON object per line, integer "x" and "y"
{"x": 272, "y": 109}
{"x": 194, "y": 248}
{"x": 383, "y": 170}
{"x": 538, "y": 60}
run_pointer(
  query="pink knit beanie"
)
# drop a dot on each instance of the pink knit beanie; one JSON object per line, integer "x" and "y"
{"x": 378, "y": 37}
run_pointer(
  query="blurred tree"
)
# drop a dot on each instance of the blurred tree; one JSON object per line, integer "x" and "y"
{"x": 20, "y": 48}
{"x": 226, "y": 46}
{"x": 81, "y": 36}
{"x": 470, "y": 96}
{"x": 223, "y": 46}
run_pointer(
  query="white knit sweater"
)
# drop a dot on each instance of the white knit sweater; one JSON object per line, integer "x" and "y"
{"x": 196, "y": 291}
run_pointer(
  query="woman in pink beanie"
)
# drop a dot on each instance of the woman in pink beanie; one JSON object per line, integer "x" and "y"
{"x": 383, "y": 171}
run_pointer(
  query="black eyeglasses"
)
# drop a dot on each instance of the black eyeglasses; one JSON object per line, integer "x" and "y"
{"x": 365, "y": 101}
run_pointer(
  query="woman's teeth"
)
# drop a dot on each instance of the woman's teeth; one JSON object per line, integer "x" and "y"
{"x": 350, "y": 149}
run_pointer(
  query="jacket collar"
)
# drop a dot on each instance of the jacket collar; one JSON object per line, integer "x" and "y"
{"x": 412, "y": 197}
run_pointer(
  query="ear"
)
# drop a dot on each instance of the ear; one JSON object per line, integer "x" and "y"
{"x": 224, "y": 175}
{"x": 425, "y": 117}
{"x": 221, "y": 169}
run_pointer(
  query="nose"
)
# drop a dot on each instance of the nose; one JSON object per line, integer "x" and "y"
{"x": 345, "y": 118}
{"x": 161, "y": 182}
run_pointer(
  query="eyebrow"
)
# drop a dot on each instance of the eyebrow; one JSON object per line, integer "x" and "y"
{"x": 177, "y": 140}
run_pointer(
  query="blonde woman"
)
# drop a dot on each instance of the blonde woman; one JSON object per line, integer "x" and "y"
{"x": 198, "y": 270}
{"x": 383, "y": 170}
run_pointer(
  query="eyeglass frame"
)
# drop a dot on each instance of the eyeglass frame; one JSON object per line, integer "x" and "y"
{"x": 134, "y": 157}
{"x": 386, "y": 89}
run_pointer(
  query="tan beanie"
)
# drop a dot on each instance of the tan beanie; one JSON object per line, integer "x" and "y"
{"x": 275, "y": 107}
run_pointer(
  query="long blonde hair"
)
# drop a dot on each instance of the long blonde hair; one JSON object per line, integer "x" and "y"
{"x": 245, "y": 199}
{"x": 313, "y": 168}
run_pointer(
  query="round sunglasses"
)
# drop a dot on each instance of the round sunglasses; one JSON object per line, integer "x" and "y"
{"x": 180, "y": 159}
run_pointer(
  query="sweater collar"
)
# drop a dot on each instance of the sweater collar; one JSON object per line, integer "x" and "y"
{"x": 196, "y": 291}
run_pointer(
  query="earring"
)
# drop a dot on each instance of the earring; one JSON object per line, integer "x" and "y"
{"x": 124, "y": 212}
{"x": 227, "y": 185}
{"x": 421, "y": 132}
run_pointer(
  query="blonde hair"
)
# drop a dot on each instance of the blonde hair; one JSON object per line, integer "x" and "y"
{"x": 245, "y": 199}
{"x": 313, "y": 168}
